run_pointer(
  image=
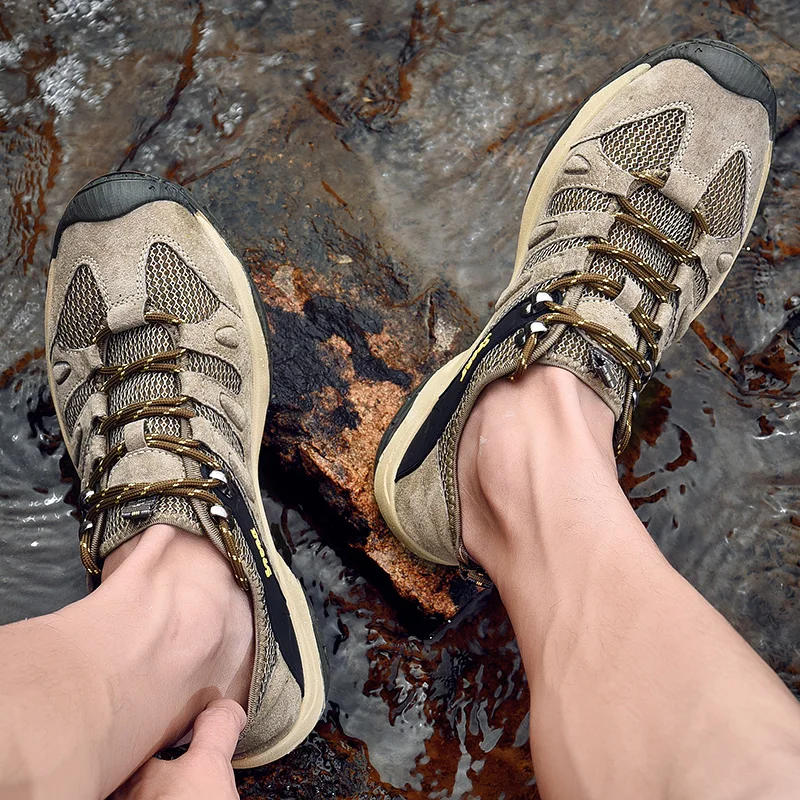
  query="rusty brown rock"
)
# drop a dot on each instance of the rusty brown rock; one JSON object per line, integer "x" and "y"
{"x": 350, "y": 338}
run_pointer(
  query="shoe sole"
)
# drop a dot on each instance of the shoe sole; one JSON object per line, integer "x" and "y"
{"x": 106, "y": 198}
{"x": 730, "y": 67}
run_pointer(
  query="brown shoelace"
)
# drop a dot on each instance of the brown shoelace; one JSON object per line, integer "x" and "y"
{"x": 638, "y": 367}
{"x": 94, "y": 501}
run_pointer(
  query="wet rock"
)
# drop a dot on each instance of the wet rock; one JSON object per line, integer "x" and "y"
{"x": 351, "y": 335}
{"x": 340, "y": 767}
{"x": 408, "y": 716}
{"x": 369, "y": 163}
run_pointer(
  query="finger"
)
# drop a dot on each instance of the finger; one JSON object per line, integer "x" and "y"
{"x": 218, "y": 727}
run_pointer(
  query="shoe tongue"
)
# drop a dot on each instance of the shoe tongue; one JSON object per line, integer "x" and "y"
{"x": 127, "y": 347}
{"x": 121, "y": 523}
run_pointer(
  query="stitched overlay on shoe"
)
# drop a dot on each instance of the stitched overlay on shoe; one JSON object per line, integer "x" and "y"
{"x": 499, "y": 361}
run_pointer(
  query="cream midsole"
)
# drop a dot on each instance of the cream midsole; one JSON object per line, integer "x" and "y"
{"x": 314, "y": 695}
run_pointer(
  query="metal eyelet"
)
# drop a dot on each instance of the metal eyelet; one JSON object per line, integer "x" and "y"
{"x": 635, "y": 398}
{"x": 224, "y": 488}
{"x": 536, "y": 327}
{"x": 543, "y": 297}
{"x": 220, "y": 512}
{"x": 523, "y": 335}
{"x": 527, "y": 309}
{"x": 83, "y": 500}
{"x": 85, "y": 529}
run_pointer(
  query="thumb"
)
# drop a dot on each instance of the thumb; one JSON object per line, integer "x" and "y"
{"x": 218, "y": 727}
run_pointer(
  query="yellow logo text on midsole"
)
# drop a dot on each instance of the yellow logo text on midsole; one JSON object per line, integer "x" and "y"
{"x": 257, "y": 540}
{"x": 482, "y": 346}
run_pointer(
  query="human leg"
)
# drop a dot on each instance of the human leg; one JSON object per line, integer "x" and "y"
{"x": 93, "y": 690}
{"x": 639, "y": 688}
{"x": 635, "y": 215}
{"x": 159, "y": 371}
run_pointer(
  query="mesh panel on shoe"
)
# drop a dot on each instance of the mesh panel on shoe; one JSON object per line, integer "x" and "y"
{"x": 174, "y": 287}
{"x": 222, "y": 425}
{"x": 643, "y": 245}
{"x": 578, "y": 198}
{"x": 77, "y": 400}
{"x": 551, "y": 248}
{"x": 84, "y": 311}
{"x": 673, "y": 221}
{"x": 221, "y": 371}
{"x": 136, "y": 343}
{"x": 129, "y": 346}
{"x": 676, "y": 223}
{"x": 665, "y": 214}
{"x": 659, "y": 211}
{"x": 646, "y": 144}
{"x": 141, "y": 387}
{"x": 722, "y": 203}
{"x": 572, "y": 347}
{"x": 177, "y": 509}
{"x": 700, "y": 284}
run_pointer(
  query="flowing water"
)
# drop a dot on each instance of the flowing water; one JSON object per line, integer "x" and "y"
{"x": 425, "y": 120}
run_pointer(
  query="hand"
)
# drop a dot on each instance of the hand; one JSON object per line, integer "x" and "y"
{"x": 204, "y": 771}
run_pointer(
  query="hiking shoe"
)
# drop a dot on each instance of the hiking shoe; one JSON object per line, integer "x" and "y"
{"x": 637, "y": 210}
{"x": 158, "y": 365}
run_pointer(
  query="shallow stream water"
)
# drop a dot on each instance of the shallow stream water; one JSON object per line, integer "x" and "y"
{"x": 445, "y": 108}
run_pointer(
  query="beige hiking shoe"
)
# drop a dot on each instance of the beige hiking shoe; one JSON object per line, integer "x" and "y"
{"x": 639, "y": 207}
{"x": 158, "y": 365}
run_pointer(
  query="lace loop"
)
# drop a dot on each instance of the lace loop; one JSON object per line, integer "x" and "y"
{"x": 158, "y": 362}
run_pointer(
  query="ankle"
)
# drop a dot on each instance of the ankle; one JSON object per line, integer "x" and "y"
{"x": 185, "y": 579}
{"x": 529, "y": 449}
